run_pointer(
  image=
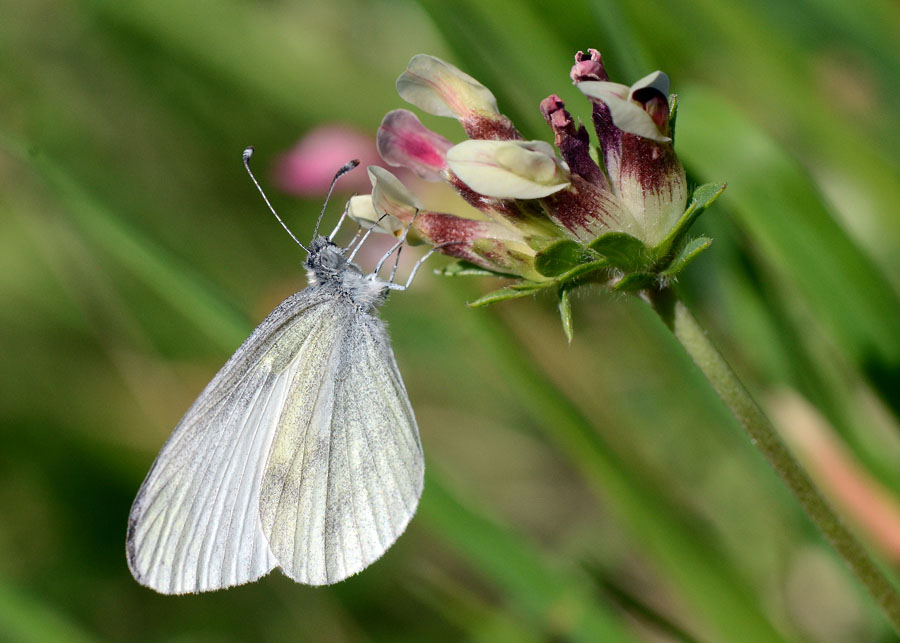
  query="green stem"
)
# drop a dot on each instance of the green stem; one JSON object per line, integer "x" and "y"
{"x": 693, "y": 337}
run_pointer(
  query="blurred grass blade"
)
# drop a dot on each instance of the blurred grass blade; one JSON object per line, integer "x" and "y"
{"x": 769, "y": 319}
{"x": 187, "y": 293}
{"x": 536, "y": 587}
{"x": 784, "y": 214}
{"x": 478, "y": 29}
{"x": 250, "y": 48}
{"x": 803, "y": 84}
{"x": 27, "y": 620}
{"x": 700, "y": 575}
{"x": 624, "y": 49}
{"x": 464, "y": 605}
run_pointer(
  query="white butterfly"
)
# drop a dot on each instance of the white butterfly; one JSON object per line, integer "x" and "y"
{"x": 302, "y": 453}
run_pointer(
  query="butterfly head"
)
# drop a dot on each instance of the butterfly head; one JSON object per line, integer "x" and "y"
{"x": 326, "y": 261}
{"x": 326, "y": 265}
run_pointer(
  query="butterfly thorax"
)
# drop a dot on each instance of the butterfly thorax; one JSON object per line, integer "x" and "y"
{"x": 326, "y": 266}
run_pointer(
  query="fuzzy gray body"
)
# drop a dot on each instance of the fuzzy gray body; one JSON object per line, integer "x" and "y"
{"x": 302, "y": 452}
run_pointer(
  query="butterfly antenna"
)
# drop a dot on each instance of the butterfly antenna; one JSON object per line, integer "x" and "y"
{"x": 247, "y": 154}
{"x": 340, "y": 221}
{"x": 341, "y": 172}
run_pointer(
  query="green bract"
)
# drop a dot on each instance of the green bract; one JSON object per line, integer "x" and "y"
{"x": 616, "y": 259}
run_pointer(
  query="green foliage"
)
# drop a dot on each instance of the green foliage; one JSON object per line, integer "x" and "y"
{"x": 673, "y": 115}
{"x": 464, "y": 268}
{"x": 702, "y": 197}
{"x": 503, "y": 294}
{"x": 776, "y": 202}
{"x": 564, "y": 304}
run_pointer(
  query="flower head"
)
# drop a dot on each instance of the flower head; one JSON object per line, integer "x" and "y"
{"x": 546, "y": 213}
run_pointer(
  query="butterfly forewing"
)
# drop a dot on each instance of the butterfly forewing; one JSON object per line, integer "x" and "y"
{"x": 194, "y": 525}
{"x": 346, "y": 470}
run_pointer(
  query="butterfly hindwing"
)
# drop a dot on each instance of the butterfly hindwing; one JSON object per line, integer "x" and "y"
{"x": 346, "y": 469}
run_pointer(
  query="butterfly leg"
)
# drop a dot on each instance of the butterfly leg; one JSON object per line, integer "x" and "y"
{"x": 396, "y": 263}
{"x": 366, "y": 236}
{"x": 418, "y": 265}
{"x": 396, "y": 247}
{"x": 354, "y": 239}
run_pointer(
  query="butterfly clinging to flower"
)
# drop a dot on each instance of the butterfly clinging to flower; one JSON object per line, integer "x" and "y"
{"x": 302, "y": 453}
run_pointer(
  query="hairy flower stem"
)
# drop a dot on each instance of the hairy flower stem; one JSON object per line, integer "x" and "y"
{"x": 693, "y": 337}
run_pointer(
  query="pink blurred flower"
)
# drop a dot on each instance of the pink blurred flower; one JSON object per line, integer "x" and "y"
{"x": 308, "y": 168}
{"x": 867, "y": 502}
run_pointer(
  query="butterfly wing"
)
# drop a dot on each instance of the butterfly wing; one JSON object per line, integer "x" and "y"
{"x": 194, "y": 525}
{"x": 346, "y": 468}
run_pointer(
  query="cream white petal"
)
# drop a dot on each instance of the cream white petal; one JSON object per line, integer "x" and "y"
{"x": 390, "y": 196}
{"x": 439, "y": 88}
{"x": 391, "y": 188}
{"x": 626, "y": 114}
{"x": 657, "y": 80}
{"x": 361, "y": 210}
{"x": 508, "y": 169}
{"x": 603, "y": 88}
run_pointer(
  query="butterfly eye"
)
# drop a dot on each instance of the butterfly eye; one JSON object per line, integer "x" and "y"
{"x": 330, "y": 260}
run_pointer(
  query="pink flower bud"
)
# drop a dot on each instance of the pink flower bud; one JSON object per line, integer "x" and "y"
{"x": 403, "y": 141}
{"x": 573, "y": 142}
{"x": 588, "y": 67}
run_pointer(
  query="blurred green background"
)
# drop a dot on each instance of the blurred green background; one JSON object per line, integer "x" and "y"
{"x": 597, "y": 491}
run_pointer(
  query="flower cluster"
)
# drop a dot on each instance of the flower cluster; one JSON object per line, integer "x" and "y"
{"x": 615, "y": 212}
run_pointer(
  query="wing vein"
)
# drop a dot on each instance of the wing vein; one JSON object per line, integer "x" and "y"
{"x": 325, "y": 539}
{"x": 362, "y": 549}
